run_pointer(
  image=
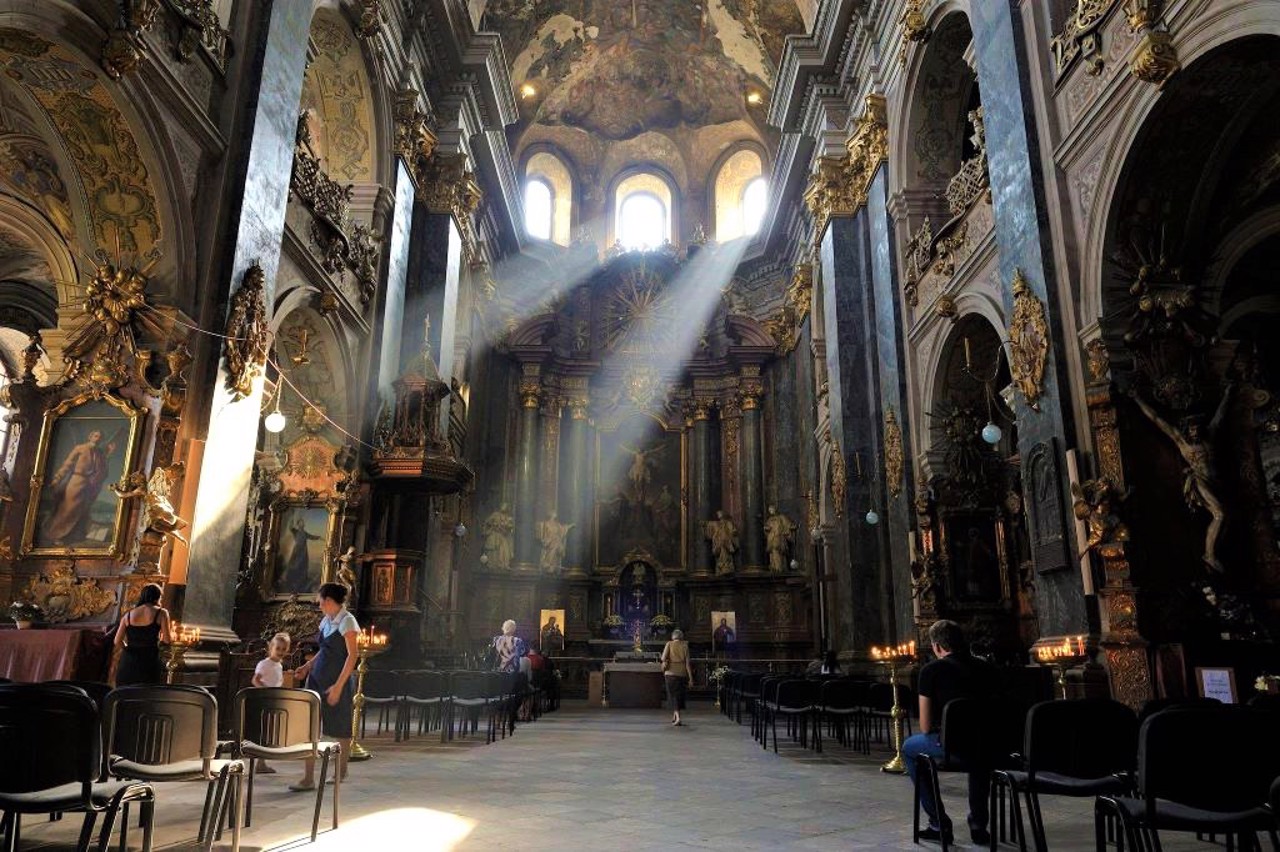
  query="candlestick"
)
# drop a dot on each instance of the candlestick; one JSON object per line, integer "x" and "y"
{"x": 181, "y": 638}
{"x": 897, "y": 764}
{"x": 368, "y": 644}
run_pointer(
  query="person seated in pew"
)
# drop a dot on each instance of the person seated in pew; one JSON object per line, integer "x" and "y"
{"x": 956, "y": 673}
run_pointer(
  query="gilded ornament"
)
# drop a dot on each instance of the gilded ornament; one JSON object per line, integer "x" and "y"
{"x": 414, "y": 141}
{"x": 1029, "y": 341}
{"x": 894, "y": 459}
{"x": 370, "y": 19}
{"x": 65, "y": 597}
{"x": 971, "y": 182}
{"x": 248, "y": 335}
{"x": 918, "y": 255}
{"x": 102, "y": 353}
{"x": 945, "y": 307}
{"x": 530, "y": 390}
{"x": 1155, "y": 59}
{"x": 915, "y": 29}
{"x": 839, "y": 476}
{"x": 159, "y": 518}
{"x": 946, "y": 249}
{"x": 1094, "y": 503}
{"x": 1143, "y": 14}
{"x": 1098, "y": 361}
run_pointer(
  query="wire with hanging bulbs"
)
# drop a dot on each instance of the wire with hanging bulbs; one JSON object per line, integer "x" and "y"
{"x": 990, "y": 433}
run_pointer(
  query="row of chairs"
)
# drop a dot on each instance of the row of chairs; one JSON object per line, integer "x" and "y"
{"x": 1181, "y": 768}
{"x": 453, "y": 702}
{"x": 86, "y": 748}
{"x": 851, "y": 709}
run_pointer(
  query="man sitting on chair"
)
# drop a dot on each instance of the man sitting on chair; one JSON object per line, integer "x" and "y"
{"x": 954, "y": 674}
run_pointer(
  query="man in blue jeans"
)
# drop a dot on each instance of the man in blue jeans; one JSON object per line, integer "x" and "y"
{"x": 954, "y": 674}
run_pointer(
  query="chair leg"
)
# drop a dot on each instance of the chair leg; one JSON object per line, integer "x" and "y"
{"x": 147, "y": 811}
{"x": 124, "y": 828}
{"x": 86, "y": 833}
{"x": 238, "y": 798}
{"x": 337, "y": 788}
{"x": 915, "y": 815}
{"x": 248, "y": 801}
{"x": 324, "y": 774}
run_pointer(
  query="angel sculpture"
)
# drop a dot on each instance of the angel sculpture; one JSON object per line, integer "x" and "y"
{"x": 159, "y": 516}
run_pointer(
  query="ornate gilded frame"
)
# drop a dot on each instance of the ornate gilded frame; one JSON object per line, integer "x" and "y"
{"x": 948, "y": 521}
{"x": 115, "y": 548}
{"x": 335, "y": 507}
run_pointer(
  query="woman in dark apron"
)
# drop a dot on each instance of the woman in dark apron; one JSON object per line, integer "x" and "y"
{"x": 139, "y": 635}
{"x": 329, "y": 673}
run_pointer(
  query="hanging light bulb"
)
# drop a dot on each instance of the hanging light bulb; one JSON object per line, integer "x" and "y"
{"x": 795, "y": 564}
{"x": 460, "y": 530}
{"x": 275, "y": 422}
{"x": 991, "y": 433}
{"x": 484, "y": 559}
{"x": 873, "y": 517}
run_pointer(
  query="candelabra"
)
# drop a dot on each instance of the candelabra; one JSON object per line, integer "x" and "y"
{"x": 1062, "y": 655}
{"x": 368, "y": 644}
{"x": 893, "y": 659}
{"x": 181, "y": 638}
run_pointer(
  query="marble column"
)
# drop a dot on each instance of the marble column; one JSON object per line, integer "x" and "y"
{"x": 752, "y": 467}
{"x": 526, "y": 464}
{"x": 1019, "y": 207}
{"x": 230, "y": 442}
{"x": 576, "y": 486}
{"x": 549, "y": 458}
{"x": 700, "y": 479}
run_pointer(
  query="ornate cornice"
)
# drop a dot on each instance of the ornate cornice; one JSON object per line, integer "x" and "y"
{"x": 839, "y": 185}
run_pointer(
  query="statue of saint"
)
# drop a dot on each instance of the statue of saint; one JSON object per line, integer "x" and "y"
{"x": 499, "y": 532}
{"x": 345, "y": 574}
{"x": 639, "y": 472}
{"x": 724, "y": 542}
{"x": 779, "y": 532}
{"x": 1196, "y": 448}
{"x": 552, "y": 534}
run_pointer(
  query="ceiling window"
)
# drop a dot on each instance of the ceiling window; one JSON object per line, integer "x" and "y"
{"x": 539, "y": 206}
{"x": 642, "y": 221}
{"x": 741, "y": 194}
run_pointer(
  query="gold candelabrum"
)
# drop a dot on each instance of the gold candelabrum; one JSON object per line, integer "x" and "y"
{"x": 894, "y": 659}
{"x": 369, "y": 643}
{"x": 181, "y": 638}
{"x": 637, "y": 638}
{"x": 1062, "y": 653}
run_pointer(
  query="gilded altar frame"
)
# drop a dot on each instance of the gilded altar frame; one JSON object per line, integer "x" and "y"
{"x": 955, "y": 524}
{"x": 115, "y": 546}
{"x": 316, "y": 512}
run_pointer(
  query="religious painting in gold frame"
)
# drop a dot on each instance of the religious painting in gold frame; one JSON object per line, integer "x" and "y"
{"x": 302, "y": 537}
{"x": 973, "y": 544}
{"x": 87, "y": 444}
{"x": 724, "y": 629}
{"x": 640, "y": 491}
{"x": 551, "y": 627}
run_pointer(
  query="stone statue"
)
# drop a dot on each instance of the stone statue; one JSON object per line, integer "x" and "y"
{"x": 499, "y": 532}
{"x": 724, "y": 542}
{"x": 345, "y": 574}
{"x": 779, "y": 533}
{"x": 1198, "y": 486}
{"x": 553, "y": 534}
{"x": 1093, "y": 504}
{"x": 159, "y": 516}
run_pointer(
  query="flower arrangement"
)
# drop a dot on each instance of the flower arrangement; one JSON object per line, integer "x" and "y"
{"x": 1267, "y": 683}
{"x": 661, "y": 622}
{"x": 718, "y": 674}
{"x": 24, "y": 612}
{"x": 614, "y": 620}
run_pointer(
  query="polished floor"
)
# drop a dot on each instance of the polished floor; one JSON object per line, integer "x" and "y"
{"x": 585, "y": 778}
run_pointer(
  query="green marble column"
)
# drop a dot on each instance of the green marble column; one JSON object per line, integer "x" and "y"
{"x": 752, "y": 466}
{"x": 576, "y": 490}
{"x": 701, "y": 481}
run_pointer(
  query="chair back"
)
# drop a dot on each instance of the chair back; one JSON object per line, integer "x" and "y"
{"x": 798, "y": 694}
{"x": 157, "y": 725}
{"x": 840, "y": 694}
{"x": 982, "y": 733}
{"x": 769, "y": 688}
{"x": 277, "y": 716}
{"x": 382, "y": 683}
{"x": 750, "y": 685}
{"x": 49, "y": 737}
{"x": 1217, "y": 758}
{"x": 1090, "y": 738}
{"x": 1155, "y": 705}
{"x": 1266, "y": 701}
{"x": 97, "y": 690}
{"x": 468, "y": 685}
{"x": 880, "y": 696}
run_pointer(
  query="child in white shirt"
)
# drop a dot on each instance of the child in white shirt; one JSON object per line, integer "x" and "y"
{"x": 270, "y": 672}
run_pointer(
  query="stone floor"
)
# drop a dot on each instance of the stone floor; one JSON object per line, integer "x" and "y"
{"x": 585, "y": 778}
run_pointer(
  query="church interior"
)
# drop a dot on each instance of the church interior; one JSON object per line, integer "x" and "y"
{"x": 560, "y": 358}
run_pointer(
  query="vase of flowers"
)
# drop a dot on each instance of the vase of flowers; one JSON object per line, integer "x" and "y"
{"x": 24, "y": 614}
{"x": 613, "y": 625}
{"x": 660, "y": 625}
{"x": 1267, "y": 683}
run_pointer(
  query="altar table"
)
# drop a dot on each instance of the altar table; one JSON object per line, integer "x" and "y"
{"x": 633, "y": 684}
{"x": 30, "y": 656}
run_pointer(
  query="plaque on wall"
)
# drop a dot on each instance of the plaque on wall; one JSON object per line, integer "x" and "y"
{"x": 1044, "y": 509}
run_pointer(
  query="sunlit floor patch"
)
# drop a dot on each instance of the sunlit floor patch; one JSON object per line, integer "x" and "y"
{"x": 428, "y": 829}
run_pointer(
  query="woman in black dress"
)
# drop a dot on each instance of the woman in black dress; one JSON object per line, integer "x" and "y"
{"x": 329, "y": 673}
{"x": 140, "y": 633}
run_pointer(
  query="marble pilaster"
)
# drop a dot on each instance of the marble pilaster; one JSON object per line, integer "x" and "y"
{"x": 752, "y": 467}
{"x": 700, "y": 479}
{"x": 526, "y": 464}
{"x": 576, "y": 486}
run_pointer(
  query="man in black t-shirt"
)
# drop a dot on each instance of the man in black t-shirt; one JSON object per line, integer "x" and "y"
{"x": 954, "y": 674}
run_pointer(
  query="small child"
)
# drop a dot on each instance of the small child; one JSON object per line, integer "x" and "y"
{"x": 270, "y": 672}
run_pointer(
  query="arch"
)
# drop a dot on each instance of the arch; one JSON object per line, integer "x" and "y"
{"x": 339, "y": 97}
{"x": 550, "y": 167}
{"x": 1227, "y": 23}
{"x": 734, "y": 173}
{"x": 644, "y": 181}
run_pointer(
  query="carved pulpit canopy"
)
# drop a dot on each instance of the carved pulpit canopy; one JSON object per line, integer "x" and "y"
{"x": 409, "y": 442}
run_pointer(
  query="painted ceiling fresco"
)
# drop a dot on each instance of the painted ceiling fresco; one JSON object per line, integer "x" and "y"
{"x": 618, "y": 68}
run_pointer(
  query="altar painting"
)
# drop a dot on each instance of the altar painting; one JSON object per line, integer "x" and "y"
{"x": 640, "y": 466}
{"x": 551, "y": 630}
{"x": 302, "y": 546}
{"x": 724, "y": 629}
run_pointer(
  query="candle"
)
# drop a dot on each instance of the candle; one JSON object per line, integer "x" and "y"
{"x": 968, "y": 355}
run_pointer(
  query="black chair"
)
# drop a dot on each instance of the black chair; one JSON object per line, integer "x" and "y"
{"x": 97, "y": 690}
{"x": 798, "y": 701}
{"x": 382, "y": 692}
{"x": 1200, "y": 769}
{"x": 880, "y": 715}
{"x": 277, "y": 723}
{"x": 52, "y": 749}
{"x": 760, "y": 709}
{"x": 1155, "y": 705}
{"x": 1268, "y": 702}
{"x": 842, "y": 706}
{"x": 1072, "y": 748}
{"x": 426, "y": 694}
{"x": 748, "y": 692}
{"x": 978, "y": 736}
{"x": 170, "y": 733}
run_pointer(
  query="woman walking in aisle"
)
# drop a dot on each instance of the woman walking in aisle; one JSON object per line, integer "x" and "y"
{"x": 676, "y": 673}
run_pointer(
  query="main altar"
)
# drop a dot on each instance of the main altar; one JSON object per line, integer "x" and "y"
{"x": 647, "y": 481}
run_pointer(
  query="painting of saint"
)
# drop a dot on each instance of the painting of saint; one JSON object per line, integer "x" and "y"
{"x": 88, "y": 448}
{"x": 974, "y": 552}
{"x": 301, "y": 545}
{"x": 551, "y": 633}
{"x": 640, "y": 488}
{"x": 724, "y": 629}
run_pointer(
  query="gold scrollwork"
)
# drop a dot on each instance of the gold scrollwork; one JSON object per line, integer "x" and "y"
{"x": 839, "y": 476}
{"x": 894, "y": 460}
{"x": 247, "y": 332}
{"x": 65, "y": 597}
{"x": 1029, "y": 341}
{"x": 839, "y": 186}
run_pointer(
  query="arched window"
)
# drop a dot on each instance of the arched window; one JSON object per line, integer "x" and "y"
{"x": 642, "y": 215}
{"x": 642, "y": 221}
{"x": 539, "y": 203}
{"x": 754, "y": 199}
{"x": 741, "y": 193}
{"x": 551, "y": 172}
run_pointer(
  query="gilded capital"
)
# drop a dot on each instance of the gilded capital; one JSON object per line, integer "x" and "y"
{"x": 530, "y": 391}
{"x": 839, "y": 185}
{"x": 414, "y": 141}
